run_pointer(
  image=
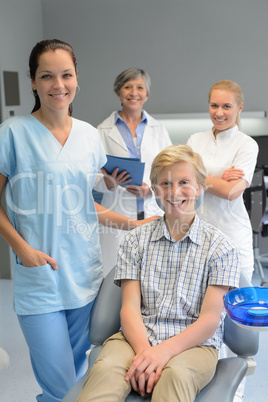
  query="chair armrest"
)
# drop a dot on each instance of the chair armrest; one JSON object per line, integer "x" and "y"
{"x": 74, "y": 392}
{"x": 105, "y": 315}
{"x": 222, "y": 387}
{"x": 93, "y": 355}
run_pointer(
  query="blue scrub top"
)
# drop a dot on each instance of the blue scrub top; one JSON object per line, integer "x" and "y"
{"x": 50, "y": 203}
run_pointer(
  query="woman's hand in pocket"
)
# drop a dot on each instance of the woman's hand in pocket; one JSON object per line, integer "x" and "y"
{"x": 36, "y": 258}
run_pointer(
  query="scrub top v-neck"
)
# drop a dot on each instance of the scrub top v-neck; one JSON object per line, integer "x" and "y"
{"x": 50, "y": 203}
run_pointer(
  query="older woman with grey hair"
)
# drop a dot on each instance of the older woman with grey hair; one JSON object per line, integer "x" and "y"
{"x": 131, "y": 133}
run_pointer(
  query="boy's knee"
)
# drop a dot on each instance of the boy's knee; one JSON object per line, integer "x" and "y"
{"x": 104, "y": 364}
{"x": 176, "y": 383}
{"x": 177, "y": 374}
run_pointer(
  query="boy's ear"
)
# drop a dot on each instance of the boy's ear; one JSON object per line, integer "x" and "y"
{"x": 157, "y": 198}
{"x": 199, "y": 190}
{"x": 154, "y": 189}
{"x": 199, "y": 197}
{"x": 159, "y": 203}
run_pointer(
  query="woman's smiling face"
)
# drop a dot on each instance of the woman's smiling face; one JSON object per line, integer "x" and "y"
{"x": 55, "y": 79}
{"x": 133, "y": 94}
{"x": 223, "y": 109}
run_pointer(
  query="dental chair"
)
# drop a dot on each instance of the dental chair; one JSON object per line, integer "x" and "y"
{"x": 105, "y": 321}
{"x": 255, "y": 203}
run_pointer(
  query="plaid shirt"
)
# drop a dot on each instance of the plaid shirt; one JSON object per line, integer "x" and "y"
{"x": 174, "y": 275}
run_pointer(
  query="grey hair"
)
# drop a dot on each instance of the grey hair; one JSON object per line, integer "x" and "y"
{"x": 132, "y": 74}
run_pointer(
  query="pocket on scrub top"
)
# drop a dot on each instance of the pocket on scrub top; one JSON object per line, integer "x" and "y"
{"x": 36, "y": 283}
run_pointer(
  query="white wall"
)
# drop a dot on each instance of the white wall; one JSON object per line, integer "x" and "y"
{"x": 185, "y": 45}
{"x": 20, "y": 28}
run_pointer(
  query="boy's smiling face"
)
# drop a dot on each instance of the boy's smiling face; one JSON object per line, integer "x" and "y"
{"x": 177, "y": 190}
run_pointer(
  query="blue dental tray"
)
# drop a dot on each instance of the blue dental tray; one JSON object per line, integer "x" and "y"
{"x": 248, "y": 307}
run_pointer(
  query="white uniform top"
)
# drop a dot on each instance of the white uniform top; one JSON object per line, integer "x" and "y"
{"x": 50, "y": 204}
{"x": 155, "y": 139}
{"x": 230, "y": 148}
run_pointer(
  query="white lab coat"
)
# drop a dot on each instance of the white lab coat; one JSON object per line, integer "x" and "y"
{"x": 155, "y": 139}
{"x": 230, "y": 148}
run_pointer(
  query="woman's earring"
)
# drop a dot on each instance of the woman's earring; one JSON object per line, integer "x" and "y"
{"x": 77, "y": 89}
{"x": 35, "y": 92}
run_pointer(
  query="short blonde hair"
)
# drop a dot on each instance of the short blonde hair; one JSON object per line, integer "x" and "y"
{"x": 233, "y": 87}
{"x": 176, "y": 154}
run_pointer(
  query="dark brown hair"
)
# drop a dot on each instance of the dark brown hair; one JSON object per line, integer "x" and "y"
{"x": 37, "y": 51}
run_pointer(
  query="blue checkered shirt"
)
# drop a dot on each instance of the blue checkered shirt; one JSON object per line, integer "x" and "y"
{"x": 174, "y": 275}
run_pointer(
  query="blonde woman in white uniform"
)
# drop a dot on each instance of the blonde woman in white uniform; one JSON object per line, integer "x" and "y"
{"x": 230, "y": 158}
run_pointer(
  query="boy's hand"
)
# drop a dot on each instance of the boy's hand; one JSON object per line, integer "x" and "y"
{"x": 147, "y": 367}
{"x": 143, "y": 383}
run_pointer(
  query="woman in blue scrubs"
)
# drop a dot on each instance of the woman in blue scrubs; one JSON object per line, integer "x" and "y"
{"x": 48, "y": 164}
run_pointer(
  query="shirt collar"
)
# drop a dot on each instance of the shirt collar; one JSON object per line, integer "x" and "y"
{"x": 225, "y": 134}
{"x": 117, "y": 117}
{"x": 193, "y": 233}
